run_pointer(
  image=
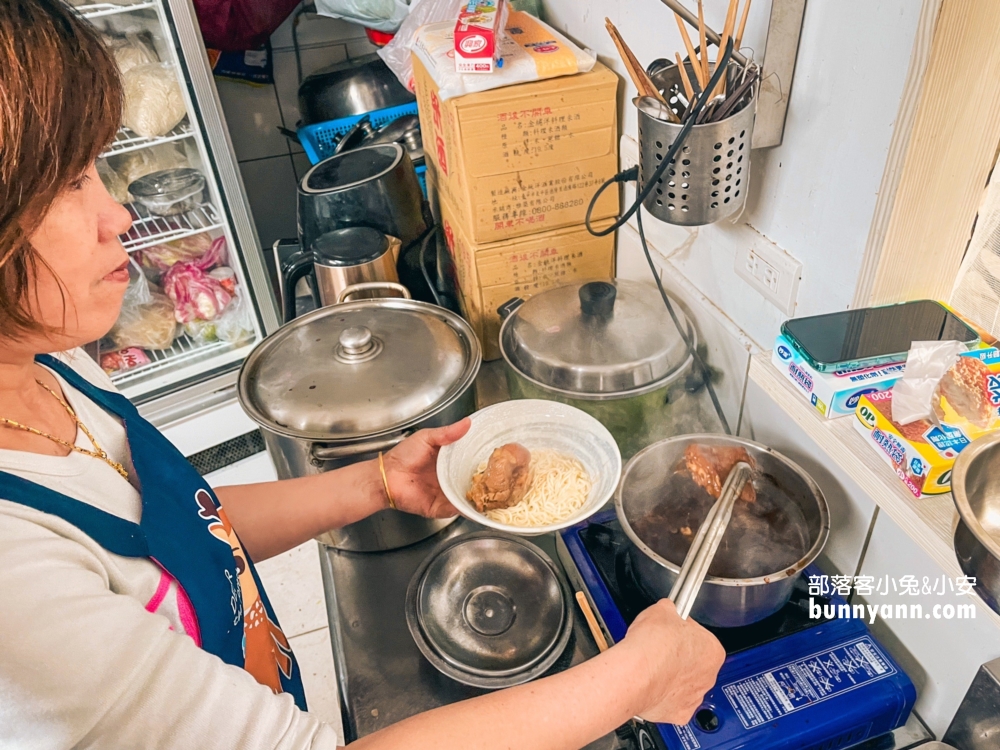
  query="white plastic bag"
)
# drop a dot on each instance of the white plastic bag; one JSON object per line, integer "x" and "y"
{"x": 154, "y": 104}
{"x": 914, "y": 395}
{"x": 381, "y": 15}
{"x": 130, "y": 51}
{"x": 146, "y": 319}
{"x": 396, "y": 53}
{"x": 531, "y": 51}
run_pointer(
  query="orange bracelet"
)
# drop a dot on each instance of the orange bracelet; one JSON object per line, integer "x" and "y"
{"x": 385, "y": 481}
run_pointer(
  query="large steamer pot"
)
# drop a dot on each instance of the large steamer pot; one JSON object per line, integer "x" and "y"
{"x": 721, "y": 602}
{"x": 342, "y": 383}
{"x": 609, "y": 349}
{"x": 975, "y": 488}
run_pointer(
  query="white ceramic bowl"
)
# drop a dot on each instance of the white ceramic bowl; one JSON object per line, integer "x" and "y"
{"x": 534, "y": 424}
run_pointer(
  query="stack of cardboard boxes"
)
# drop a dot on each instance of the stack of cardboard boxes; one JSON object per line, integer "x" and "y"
{"x": 513, "y": 171}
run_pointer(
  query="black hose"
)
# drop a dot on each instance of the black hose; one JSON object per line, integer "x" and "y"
{"x": 706, "y": 374}
{"x": 431, "y": 233}
{"x": 633, "y": 174}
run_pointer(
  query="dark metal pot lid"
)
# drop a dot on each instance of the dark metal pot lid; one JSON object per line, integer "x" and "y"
{"x": 596, "y": 337}
{"x": 489, "y": 610}
{"x": 359, "y": 369}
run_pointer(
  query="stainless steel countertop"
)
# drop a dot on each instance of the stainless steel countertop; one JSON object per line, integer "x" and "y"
{"x": 382, "y": 676}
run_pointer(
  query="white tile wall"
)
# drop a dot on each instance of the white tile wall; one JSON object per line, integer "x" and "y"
{"x": 728, "y": 348}
{"x": 940, "y": 656}
{"x": 268, "y": 160}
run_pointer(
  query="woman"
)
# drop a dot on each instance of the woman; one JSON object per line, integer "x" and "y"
{"x": 131, "y": 615}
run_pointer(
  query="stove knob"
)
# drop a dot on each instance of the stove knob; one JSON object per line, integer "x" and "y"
{"x": 707, "y": 719}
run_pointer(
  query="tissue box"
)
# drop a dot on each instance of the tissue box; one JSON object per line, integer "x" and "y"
{"x": 833, "y": 394}
{"x": 921, "y": 453}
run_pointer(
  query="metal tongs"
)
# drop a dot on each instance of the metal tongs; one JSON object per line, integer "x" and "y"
{"x": 707, "y": 540}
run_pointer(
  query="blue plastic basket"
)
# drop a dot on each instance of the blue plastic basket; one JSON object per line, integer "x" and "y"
{"x": 319, "y": 140}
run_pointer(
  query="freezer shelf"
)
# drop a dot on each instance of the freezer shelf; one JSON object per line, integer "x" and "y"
{"x": 184, "y": 350}
{"x": 127, "y": 141}
{"x": 150, "y": 230}
{"x": 97, "y": 10}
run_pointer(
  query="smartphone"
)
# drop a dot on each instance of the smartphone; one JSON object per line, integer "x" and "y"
{"x": 873, "y": 336}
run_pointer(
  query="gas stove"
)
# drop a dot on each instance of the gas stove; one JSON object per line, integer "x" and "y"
{"x": 789, "y": 682}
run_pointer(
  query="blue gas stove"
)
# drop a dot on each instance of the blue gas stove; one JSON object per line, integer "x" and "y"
{"x": 789, "y": 682}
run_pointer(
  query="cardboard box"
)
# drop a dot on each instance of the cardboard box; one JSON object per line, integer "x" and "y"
{"x": 523, "y": 159}
{"x": 921, "y": 453}
{"x": 478, "y": 31}
{"x": 491, "y": 273}
{"x": 833, "y": 394}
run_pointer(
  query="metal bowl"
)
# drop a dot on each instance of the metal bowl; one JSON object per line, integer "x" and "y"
{"x": 975, "y": 488}
{"x": 722, "y": 602}
{"x": 489, "y": 610}
{"x": 353, "y": 87}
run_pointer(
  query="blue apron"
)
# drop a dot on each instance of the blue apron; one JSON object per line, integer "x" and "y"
{"x": 185, "y": 531}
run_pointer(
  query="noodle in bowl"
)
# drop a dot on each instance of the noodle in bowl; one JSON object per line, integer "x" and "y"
{"x": 574, "y": 458}
{"x": 558, "y": 487}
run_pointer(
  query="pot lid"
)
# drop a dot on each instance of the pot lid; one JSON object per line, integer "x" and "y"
{"x": 359, "y": 369}
{"x": 350, "y": 246}
{"x": 490, "y": 605}
{"x": 596, "y": 337}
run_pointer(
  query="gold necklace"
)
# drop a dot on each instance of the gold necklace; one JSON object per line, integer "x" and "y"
{"x": 98, "y": 452}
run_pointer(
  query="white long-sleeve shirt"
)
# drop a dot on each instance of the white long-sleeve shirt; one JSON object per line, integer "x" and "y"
{"x": 83, "y": 664}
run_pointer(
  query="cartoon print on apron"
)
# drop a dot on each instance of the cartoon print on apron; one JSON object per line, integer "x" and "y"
{"x": 220, "y": 602}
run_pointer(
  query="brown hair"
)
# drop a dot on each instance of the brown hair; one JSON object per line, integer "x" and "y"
{"x": 60, "y": 106}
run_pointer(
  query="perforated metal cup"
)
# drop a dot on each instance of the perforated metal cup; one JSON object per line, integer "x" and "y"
{"x": 708, "y": 177}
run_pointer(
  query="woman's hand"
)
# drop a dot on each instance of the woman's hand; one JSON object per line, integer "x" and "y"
{"x": 411, "y": 471}
{"x": 681, "y": 659}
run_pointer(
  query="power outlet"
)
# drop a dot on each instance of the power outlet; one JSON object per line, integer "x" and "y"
{"x": 772, "y": 272}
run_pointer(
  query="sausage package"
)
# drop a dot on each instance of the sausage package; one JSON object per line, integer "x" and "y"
{"x": 965, "y": 406}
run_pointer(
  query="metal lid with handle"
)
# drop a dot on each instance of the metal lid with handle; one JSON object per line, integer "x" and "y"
{"x": 363, "y": 368}
{"x": 594, "y": 337}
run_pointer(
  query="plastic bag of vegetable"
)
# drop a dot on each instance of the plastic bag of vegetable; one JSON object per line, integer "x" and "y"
{"x": 147, "y": 317}
{"x": 200, "y": 250}
{"x": 195, "y": 294}
{"x": 234, "y": 326}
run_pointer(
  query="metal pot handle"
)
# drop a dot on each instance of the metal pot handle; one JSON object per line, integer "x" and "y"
{"x": 319, "y": 452}
{"x": 508, "y": 307}
{"x": 372, "y": 285}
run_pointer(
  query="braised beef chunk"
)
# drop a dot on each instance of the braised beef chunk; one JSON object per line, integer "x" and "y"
{"x": 710, "y": 465}
{"x": 504, "y": 480}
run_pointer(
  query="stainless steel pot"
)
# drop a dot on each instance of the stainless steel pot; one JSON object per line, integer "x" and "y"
{"x": 611, "y": 350}
{"x": 975, "y": 488}
{"x": 342, "y": 383}
{"x": 649, "y": 486}
{"x": 353, "y": 87}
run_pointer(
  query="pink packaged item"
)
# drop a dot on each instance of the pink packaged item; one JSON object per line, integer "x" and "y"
{"x": 126, "y": 359}
{"x": 199, "y": 249}
{"x": 195, "y": 294}
{"x": 478, "y": 34}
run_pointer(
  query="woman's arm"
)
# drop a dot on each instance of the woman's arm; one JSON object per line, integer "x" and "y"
{"x": 661, "y": 671}
{"x": 273, "y": 517}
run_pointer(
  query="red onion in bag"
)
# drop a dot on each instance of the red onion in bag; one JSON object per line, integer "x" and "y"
{"x": 195, "y": 294}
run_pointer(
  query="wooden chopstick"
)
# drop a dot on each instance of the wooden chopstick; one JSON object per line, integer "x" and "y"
{"x": 727, "y": 32}
{"x": 595, "y": 629}
{"x": 743, "y": 26}
{"x": 685, "y": 77}
{"x": 643, "y": 84}
{"x": 692, "y": 55}
{"x": 703, "y": 41}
